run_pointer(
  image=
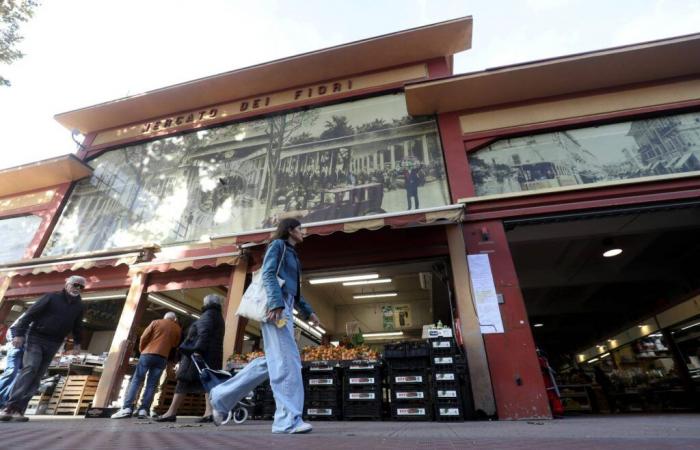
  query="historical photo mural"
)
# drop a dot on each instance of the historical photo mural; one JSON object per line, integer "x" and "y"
{"x": 346, "y": 160}
{"x": 17, "y": 233}
{"x": 622, "y": 151}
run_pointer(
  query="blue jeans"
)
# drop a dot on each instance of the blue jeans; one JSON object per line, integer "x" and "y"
{"x": 8, "y": 377}
{"x": 282, "y": 364}
{"x": 150, "y": 364}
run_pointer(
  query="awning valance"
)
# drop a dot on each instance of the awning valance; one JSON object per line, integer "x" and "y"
{"x": 70, "y": 265}
{"x": 427, "y": 216}
{"x": 197, "y": 262}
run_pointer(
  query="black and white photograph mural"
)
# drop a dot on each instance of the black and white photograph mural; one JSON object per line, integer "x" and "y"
{"x": 623, "y": 151}
{"x": 347, "y": 160}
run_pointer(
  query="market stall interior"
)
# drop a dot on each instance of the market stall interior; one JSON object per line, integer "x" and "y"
{"x": 612, "y": 297}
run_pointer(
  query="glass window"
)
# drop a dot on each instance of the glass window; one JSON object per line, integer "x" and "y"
{"x": 17, "y": 233}
{"x": 623, "y": 151}
{"x": 311, "y": 164}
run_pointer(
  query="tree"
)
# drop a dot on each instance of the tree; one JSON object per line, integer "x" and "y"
{"x": 337, "y": 127}
{"x": 12, "y": 14}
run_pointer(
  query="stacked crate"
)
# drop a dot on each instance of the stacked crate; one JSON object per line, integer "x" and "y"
{"x": 75, "y": 395}
{"x": 192, "y": 405}
{"x": 409, "y": 381}
{"x": 447, "y": 369}
{"x": 322, "y": 390}
{"x": 362, "y": 390}
{"x": 264, "y": 402}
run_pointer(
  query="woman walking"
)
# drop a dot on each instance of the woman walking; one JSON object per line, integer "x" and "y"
{"x": 281, "y": 363}
{"x": 205, "y": 339}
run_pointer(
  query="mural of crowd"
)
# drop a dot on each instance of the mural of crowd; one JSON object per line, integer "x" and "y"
{"x": 352, "y": 159}
{"x": 623, "y": 151}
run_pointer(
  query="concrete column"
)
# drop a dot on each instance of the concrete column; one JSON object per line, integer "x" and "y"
{"x": 473, "y": 342}
{"x": 235, "y": 325}
{"x": 119, "y": 352}
{"x": 518, "y": 385}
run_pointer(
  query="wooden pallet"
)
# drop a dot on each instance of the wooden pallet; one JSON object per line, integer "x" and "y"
{"x": 56, "y": 396}
{"x": 38, "y": 404}
{"x": 76, "y": 395}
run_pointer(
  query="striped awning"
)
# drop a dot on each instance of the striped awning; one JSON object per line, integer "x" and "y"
{"x": 71, "y": 265}
{"x": 198, "y": 262}
{"x": 428, "y": 216}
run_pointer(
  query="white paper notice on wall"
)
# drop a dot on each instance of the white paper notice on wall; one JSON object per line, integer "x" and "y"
{"x": 484, "y": 294}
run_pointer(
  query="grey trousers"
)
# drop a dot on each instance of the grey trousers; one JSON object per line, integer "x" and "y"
{"x": 37, "y": 357}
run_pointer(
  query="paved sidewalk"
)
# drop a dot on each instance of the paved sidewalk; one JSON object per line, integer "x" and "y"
{"x": 680, "y": 431}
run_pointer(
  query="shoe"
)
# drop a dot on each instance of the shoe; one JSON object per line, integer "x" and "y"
{"x": 142, "y": 414}
{"x": 122, "y": 413}
{"x": 166, "y": 419}
{"x": 12, "y": 415}
{"x": 301, "y": 429}
{"x": 6, "y": 415}
{"x": 205, "y": 419}
{"x": 220, "y": 418}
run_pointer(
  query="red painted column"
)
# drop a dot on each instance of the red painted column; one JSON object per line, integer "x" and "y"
{"x": 515, "y": 373}
{"x": 456, "y": 163}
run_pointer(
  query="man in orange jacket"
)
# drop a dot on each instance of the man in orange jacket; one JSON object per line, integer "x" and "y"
{"x": 160, "y": 337}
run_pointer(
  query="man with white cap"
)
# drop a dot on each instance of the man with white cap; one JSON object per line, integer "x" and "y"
{"x": 41, "y": 330}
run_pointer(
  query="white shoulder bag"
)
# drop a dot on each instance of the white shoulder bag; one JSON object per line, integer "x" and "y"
{"x": 254, "y": 301}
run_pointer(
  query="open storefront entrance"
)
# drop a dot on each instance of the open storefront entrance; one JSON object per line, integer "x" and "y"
{"x": 612, "y": 297}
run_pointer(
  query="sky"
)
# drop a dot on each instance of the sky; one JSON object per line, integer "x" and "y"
{"x": 83, "y": 52}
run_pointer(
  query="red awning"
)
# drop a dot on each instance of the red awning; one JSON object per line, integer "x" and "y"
{"x": 428, "y": 216}
{"x": 71, "y": 265}
{"x": 198, "y": 262}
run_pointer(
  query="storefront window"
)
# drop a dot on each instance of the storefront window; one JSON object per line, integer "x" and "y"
{"x": 594, "y": 155}
{"x": 17, "y": 233}
{"x": 340, "y": 161}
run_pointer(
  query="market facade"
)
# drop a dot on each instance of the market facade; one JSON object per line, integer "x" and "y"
{"x": 436, "y": 186}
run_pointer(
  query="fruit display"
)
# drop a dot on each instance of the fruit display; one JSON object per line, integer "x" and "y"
{"x": 330, "y": 353}
{"x": 241, "y": 358}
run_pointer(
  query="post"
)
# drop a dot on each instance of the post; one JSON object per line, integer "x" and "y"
{"x": 5, "y": 305}
{"x": 235, "y": 325}
{"x": 119, "y": 352}
{"x": 479, "y": 375}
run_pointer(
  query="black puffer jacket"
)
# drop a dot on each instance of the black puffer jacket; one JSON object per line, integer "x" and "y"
{"x": 206, "y": 337}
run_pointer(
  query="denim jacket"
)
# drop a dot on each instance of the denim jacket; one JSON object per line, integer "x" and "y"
{"x": 289, "y": 271}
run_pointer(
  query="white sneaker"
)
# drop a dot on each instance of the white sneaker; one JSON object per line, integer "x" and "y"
{"x": 301, "y": 429}
{"x": 122, "y": 413}
{"x": 220, "y": 418}
{"x": 142, "y": 414}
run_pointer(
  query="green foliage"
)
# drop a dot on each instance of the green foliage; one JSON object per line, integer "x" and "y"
{"x": 12, "y": 14}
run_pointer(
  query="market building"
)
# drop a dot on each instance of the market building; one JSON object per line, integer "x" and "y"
{"x": 483, "y": 201}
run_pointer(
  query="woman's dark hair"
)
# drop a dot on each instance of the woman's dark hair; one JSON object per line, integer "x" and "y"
{"x": 285, "y": 225}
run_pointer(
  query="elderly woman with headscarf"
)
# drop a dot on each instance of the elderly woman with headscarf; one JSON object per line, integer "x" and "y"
{"x": 204, "y": 340}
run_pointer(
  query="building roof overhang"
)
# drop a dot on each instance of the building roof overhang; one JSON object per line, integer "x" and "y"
{"x": 367, "y": 55}
{"x": 604, "y": 69}
{"x": 42, "y": 174}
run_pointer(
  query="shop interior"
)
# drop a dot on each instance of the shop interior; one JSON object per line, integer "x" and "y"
{"x": 369, "y": 306}
{"x": 612, "y": 298}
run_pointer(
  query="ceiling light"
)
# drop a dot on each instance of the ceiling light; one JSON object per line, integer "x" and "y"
{"x": 167, "y": 304}
{"x": 592, "y": 360}
{"x": 538, "y": 325}
{"x": 358, "y": 283}
{"x": 246, "y": 337}
{"x": 612, "y": 252}
{"x": 378, "y": 295}
{"x": 369, "y": 276}
{"x": 320, "y": 329}
{"x": 605, "y": 355}
{"x": 196, "y": 316}
{"x": 690, "y": 326}
{"x": 104, "y": 297}
{"x": 381, "y": 335}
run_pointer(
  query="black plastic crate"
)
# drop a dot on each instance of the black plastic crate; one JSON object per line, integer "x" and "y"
{"x": 448, "y": 393}
{"x": 410, "y": 393}
{"x": 322, "y": 412}
{"x": 362, "y": 393}
{"x": 449, "y": 411}
{"x": 322, "y": 395}
{"x": 320, "y": 366}
{"x": 417, "y": 349}
{"x": 359, "y": 365}
{"x": 362, "y": 410}
{"x": 406, "y": 377}
{"x": 363, "y": 378}
{"x": 442, "y": 346}
{"x": 407, "y": 411}
{"x": 408, "y": 363}
{"x": 322, "y": 380}
{"x": 393, "y": 351}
